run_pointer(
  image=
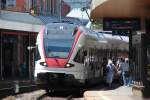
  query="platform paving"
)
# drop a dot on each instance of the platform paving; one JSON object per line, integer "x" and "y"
{"x": 119, "y": 93}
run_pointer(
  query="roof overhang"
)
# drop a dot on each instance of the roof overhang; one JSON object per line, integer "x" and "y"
{"x": 19, "y": 21}
{"x": 120, "y": 9}
{"x": 19, "y": 26}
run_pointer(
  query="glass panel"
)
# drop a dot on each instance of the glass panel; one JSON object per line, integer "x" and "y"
{"x": 80, "y": 56}
{"x": 58, "y": 40}
{"x": 1, "y": 57}
{"x": 57, "y": 51}
{"x": 148, "y": 63}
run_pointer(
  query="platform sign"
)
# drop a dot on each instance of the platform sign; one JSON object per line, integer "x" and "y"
{"x": 110, "y": 24}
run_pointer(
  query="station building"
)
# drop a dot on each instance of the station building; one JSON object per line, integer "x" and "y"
{"x": 18, "y": 31}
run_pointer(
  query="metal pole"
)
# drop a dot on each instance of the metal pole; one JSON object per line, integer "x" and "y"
{"x": 30, "y": 76}
{"x": 130, "y": 47}
{"x": 60, "y": 11}
{"x": 1, "y": 56}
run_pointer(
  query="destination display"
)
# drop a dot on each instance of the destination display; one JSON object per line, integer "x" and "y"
{"x": 120, "y": 24}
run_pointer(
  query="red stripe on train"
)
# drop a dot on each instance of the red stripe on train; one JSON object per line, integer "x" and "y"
{"x": 74, "y": 44}
{"x": 56, "y": 62}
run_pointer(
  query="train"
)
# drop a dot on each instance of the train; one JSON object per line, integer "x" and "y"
{"x": 72, "y": 53}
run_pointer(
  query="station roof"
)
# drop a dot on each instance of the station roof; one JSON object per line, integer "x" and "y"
{"x": 120, "y": 9}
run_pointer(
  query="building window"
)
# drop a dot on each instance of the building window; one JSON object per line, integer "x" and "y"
{"x": 3, "y": 4}
{"x": 8, "y": 4}
{"x": 45, "y": 7}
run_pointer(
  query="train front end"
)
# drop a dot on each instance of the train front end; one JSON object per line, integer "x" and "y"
{"x": 55, "y": 44}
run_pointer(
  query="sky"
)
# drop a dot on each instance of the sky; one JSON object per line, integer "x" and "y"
{"x": 76, "y": 12}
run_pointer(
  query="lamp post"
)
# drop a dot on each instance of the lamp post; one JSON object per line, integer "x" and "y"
{"x": 1, "y": 55}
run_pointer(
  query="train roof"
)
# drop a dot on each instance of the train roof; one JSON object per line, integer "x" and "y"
{"x": 101, "y": 36}
{"x": 109, "y": 34}
{"x": 105, "y": 35}
{"x": 57, "y": 23}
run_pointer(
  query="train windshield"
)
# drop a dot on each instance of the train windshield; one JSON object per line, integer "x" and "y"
{"x": 58, "y": 40}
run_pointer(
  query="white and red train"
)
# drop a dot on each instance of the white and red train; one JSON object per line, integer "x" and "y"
{"x": 70, "y": 52}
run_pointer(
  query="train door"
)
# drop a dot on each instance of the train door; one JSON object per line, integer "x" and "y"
{"x": 98, "y": 62}
{"x": 91, "y": 63}
{"x": 85, "y": 56}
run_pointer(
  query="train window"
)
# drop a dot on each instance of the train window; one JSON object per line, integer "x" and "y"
{"x": 57, "y": 51}
{"x": 85, "y": 53}
{"x": 80, "y": 56}
{"x": 75, "y": 31}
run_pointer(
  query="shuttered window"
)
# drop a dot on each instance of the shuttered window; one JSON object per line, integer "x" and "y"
{"x": 45, "y": 7}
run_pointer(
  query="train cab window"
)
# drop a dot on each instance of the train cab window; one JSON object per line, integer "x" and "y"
{"x": 58, "y": 40}
{"x": 80, "y": 55}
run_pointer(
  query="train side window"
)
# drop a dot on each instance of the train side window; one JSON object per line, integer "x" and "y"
{"x": 75, "y": 31}
{"x": 80, "y": 55}
{"x": 85, "y": 53}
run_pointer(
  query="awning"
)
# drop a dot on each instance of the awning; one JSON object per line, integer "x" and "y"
{"x": 19, "y": 21}
{"x": 120, "y": 9}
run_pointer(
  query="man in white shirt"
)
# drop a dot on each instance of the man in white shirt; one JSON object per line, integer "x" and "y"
{"x": 124, "y": 67}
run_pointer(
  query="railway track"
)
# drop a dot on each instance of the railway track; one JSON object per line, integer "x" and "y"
{"x": 17, "y": 87}
{"x": 43, "y": 95}
{"x": 36, "y": 92}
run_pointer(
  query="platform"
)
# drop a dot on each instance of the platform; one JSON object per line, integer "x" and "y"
{"x": 119, "y": 93}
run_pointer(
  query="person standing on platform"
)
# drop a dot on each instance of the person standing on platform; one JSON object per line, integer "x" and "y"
{"x": 124, "y": 67}
{"x": 110, "y": 72}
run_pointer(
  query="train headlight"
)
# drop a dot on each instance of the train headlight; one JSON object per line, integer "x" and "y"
{"x": 43, "y": 64}
{"x": 68, "y": 65}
